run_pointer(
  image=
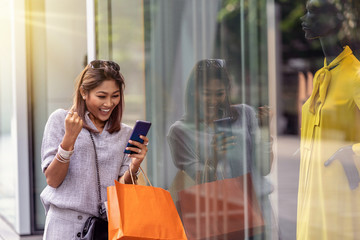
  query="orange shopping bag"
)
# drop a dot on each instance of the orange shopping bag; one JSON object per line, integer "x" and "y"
{"x": 223, "y": 209}
{"x": 113, "y": 212}
{"x": 142, "y": 212}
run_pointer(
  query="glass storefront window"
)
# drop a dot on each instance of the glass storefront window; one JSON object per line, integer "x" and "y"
{"x": 157, "y": 44}
{"x": 251, "y": 96}
{"x": 58, "y": 53}
{"x": 178, "y": 34}
{"x": 7, "y": 142}
{"x": 120, "y": 37}
{"x": 318, "y": 118}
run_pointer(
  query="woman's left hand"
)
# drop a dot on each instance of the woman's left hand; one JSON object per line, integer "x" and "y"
{"x": 140, "y": 150}
{"x": 265, "y": 115}
{"x": 222, "y": 142}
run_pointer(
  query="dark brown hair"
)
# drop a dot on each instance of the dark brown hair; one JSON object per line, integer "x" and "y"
{"x": 94, "y": 74}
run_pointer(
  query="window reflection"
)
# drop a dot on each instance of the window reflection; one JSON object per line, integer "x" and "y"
{"x": 216, "y": 140}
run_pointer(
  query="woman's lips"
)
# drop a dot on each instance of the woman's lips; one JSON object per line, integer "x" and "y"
{"x": 105, "y": 111}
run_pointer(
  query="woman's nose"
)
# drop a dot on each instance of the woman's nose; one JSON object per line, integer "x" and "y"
{"x": 213, "y": 100}
{"x": 108, "y": 102}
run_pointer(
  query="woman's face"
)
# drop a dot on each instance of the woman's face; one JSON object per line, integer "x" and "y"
{"x": 320, "y": 19}
{"x": 212, "y": 98}
{"x": 102, "y": 100}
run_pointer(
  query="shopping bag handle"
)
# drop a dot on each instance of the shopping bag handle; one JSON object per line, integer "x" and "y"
{"x": 132, "y": 178}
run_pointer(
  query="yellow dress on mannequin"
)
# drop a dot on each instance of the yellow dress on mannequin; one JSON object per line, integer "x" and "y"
{"x": 327, "y": 207}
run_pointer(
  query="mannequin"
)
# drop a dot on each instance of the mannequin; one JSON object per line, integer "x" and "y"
{"x": 328, "y": 182}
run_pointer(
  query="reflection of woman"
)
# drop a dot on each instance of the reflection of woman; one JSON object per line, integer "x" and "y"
{"x": 206, "y": 156}
{"x": 68, "y": 154}
{"x": 327, "y": 206}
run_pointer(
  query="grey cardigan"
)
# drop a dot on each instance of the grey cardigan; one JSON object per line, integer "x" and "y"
{"x": 78, "y": 191}
{"x": 190, "y": 148}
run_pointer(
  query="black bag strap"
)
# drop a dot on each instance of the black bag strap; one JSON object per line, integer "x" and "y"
{"x": 102, "y": 210}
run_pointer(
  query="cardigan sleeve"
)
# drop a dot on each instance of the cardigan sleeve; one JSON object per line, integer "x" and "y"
{"x": 53, "y": 134}
{"x": 183, "y": 151}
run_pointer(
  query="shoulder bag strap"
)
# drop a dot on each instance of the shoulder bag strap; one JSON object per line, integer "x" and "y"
{"x": 102, "y": 210}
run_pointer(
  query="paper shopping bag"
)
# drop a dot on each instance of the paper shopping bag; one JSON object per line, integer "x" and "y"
{"x": 113, "y": 213}
{"x": 142, "y": 212}
{"x": 223, "y": 209}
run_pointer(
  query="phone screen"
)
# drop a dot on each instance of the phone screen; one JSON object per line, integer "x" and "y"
{"x": 223, "y": 125}
{"x": 140, "y": 128}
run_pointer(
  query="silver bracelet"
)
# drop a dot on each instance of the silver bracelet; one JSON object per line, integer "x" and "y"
{"x": 60, "y": 159}
{"x": 64, "y": 154}
{"x": 137, "y": 172}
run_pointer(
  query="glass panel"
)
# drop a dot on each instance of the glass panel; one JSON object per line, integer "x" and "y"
{"x": 318, "y": 115}
{"x": 171, "y": 37}
{"x": 187, "y": 93}
{"x": 199, "y": 71}
{"x": 119, "y": 37}
{"x": 7, "y": 136}
{"x": 56, "y": 62}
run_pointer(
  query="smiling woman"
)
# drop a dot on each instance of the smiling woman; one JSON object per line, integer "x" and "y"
{"x": 101, "y": 101}
{"x": 100, "y": 90}
{"x": 83, "y": 151}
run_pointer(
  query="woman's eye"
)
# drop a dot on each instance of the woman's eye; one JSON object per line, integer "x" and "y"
{"x": 116, "y": 96}
{"x": 101, "y": 97}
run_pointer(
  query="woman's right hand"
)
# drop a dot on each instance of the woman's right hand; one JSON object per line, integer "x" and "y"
{"x": 73, "y": 126}
{"x": 222, "y": 142}
{"x": 57, "y": 171}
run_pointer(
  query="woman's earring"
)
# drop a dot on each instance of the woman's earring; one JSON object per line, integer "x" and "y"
{"x": 83, "y": 97}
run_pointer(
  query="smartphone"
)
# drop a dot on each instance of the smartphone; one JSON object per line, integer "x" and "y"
{"x": 223, "y": 125}
{"x": 140, "y": 128}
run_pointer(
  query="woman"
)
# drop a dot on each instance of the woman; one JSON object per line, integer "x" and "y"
{"x": 68, "y": 154}
{"x": 328, "y": 201}
{"x": 208, "y": 150}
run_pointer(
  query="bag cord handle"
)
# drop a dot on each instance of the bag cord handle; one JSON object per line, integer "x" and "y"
{"x": 101, "y": 210}
{"x": 132, "y": 178}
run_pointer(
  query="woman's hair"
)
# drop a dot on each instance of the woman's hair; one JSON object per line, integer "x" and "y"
{"x": 94, "y": 74}
{"x": 200, "y": 76}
